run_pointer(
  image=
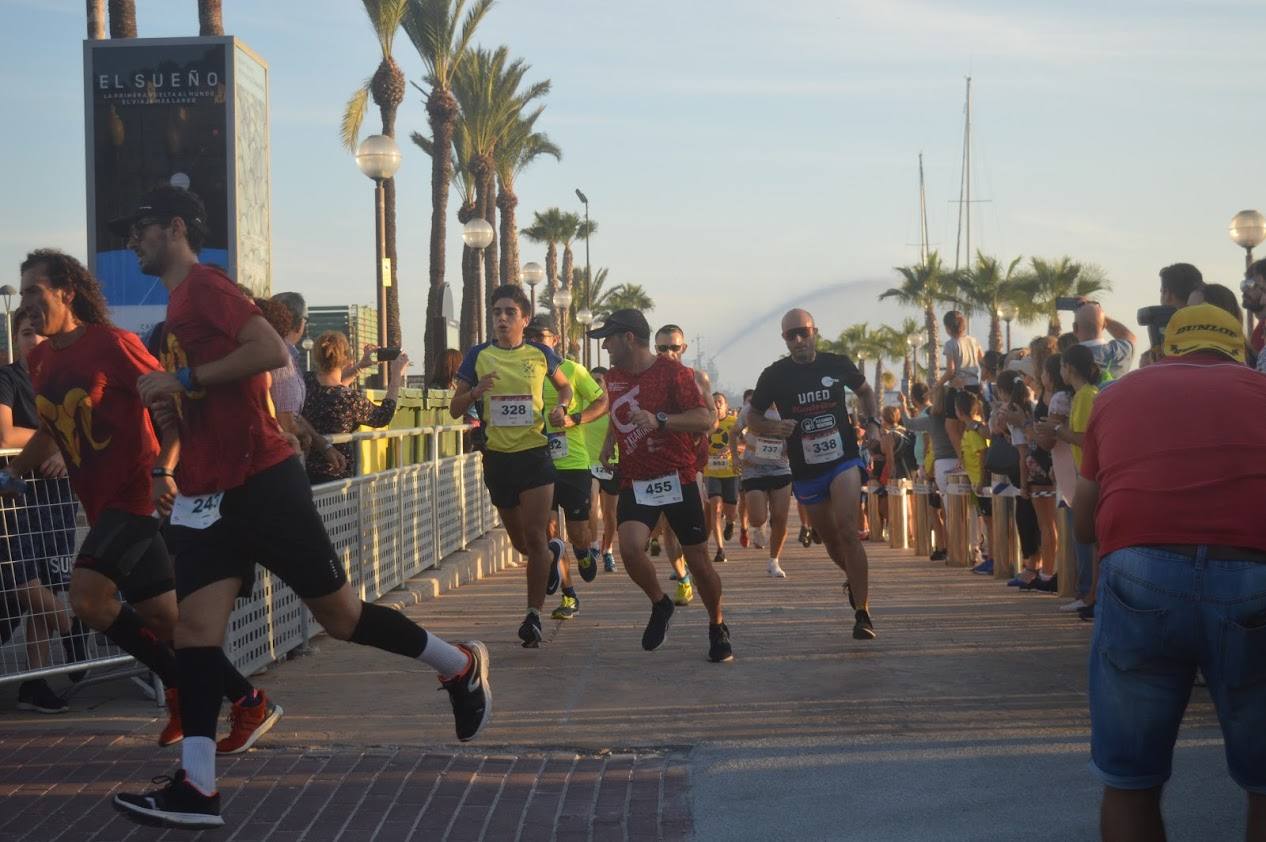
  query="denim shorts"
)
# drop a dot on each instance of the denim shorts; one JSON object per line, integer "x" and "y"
{"x": 1160, "y": 615}
{"x": 818, "y": 489}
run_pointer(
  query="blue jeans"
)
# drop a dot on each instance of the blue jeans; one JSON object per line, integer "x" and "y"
{"x": 1159, "y": 616}
{"x": 1085, "y": 554}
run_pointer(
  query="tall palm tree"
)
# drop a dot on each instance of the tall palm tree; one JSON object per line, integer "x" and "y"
{"x": 442, "y": 42}
{"x": 985, "y": 286}
{"x": 1051, "y": 280}
{"x": 630, "y": 297}
{"x": 211, "y": 22}
{"x": 520, "y": 146}
{"x": 600, "y": 294}
{"x": 924, "y": 285}
{"x": 549, "y": 227}
{"x": 122, "y": 18}
{"x": 386, "y": 87}
{"x": 909, "y": 327}
{"x": 883, "y": 343}
{"x": 96, "y": 19}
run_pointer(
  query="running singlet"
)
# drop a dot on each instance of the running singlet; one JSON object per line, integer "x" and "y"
{"x": 227, "y": 432}
{"x": 763, "y": 456}
{"x": 669, "y": 387}
{"x": 569, "y": 448}
{"x": 87, "y": 401}
{"x": 720, "y": 460}
{"x": 812, "y": 395}
{"x": 512, "y": 409}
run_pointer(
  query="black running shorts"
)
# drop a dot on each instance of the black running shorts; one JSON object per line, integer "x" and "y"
{"x": 766, "y": 483}
{"x": 128, "y": 550}
{"x": 724, "y": 487}
{"x": 270, "y": 519}
{"x": 572, "y": 490}
{"x": 507, "y": 475}
{"x": 685, "y": 518}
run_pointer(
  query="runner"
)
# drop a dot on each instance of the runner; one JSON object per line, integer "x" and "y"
{"x": 607, "y": 487}
{"x": 238, "y": 495}
{"x": 766, "y": 484}
{"x": 570, "y": 452}
{"x": 721, "y": 476}
{"x": 84, "y": 378}
{"x": 656, "y": 406}
{"x": 808, "y": 390}
{"x": 744, "y": 521}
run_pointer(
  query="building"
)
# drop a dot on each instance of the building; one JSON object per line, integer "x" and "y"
{"x": 358, "y": 322}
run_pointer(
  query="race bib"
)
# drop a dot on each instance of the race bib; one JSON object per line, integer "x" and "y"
{"x": 600, "y": 472}
{"x": 512, "y": 411}
{"x": 558, "y": 446}
{"x": 821, "y": 448}
{"x": 662, "y": 491}
{"x": 764, "y": 449}
{"x": 718, "y": 463}
{"x": 196, "y": 512}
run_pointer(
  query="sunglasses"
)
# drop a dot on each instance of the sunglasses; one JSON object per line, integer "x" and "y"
{"x": 664, "y": 349}
{"x": 141, "y": 224}
{"x": 797, "y": 333}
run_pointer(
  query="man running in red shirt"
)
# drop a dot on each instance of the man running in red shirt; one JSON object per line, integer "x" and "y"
{"x": 243, "y": 496}
{"x": 655, "y": 409}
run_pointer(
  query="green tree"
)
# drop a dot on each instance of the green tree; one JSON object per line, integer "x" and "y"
{"x": 520, "y": 146}
{"x": 1051, "y": 280}
{"x": 122, "y": 18}
{"x": 909, "y": 327}
{"x": 629, "y": 296}
{"x": 924, "y": 285}
{"x": 550, "y": 226}
{"x": 985, "y": 286}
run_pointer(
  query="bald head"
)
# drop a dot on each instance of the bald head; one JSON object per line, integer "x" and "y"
{"x": 1088, "y": 322}
{"x": 796, "y": 318}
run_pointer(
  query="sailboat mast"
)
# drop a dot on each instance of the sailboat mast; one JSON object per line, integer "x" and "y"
{"x": 964, "y": 189}
{"x": 923, "y": 216}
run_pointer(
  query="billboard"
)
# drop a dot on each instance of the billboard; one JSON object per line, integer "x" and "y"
{"x": 190, "y": 112}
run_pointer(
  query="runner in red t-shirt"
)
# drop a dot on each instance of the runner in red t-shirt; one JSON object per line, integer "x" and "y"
{"x": 84, "y": 379}
{"x": 656, "y": 409}
{"x": 248, "y": 500}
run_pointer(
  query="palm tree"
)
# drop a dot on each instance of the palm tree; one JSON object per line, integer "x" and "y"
{"x": 386, "y": 87}
{"x": 1051, "y": 280}
{"x": 570, "y": 229}
{"x": 96, "y": 19}
{"x": 584, "y": 230}
{"x": 520, "y": 146}
{"x": 211, "y": 22}
{"x": 599, "y": 295}
{"x": 549, "y": 227}
{"x": 881, "y": 344}
{"x": 909, "y": 327}
{"x": 984, "y": 287}
{"x": 432, "y": 26}
{"x": 924, "y": 285}
{"x": 852, "y": 342}
{"x": 122, "y": 18}
{"x": 629, "y": 297}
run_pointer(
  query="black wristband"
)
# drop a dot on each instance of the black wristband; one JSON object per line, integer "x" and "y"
{"x": 161, "y": 472}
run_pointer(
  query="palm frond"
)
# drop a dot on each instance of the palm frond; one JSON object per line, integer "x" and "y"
{"x": 354, "y": 117}
{"x": 385, "y": 16}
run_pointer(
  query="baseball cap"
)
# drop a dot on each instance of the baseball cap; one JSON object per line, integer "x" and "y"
{"x": 539, "y": 324}
{"x": 162, "y": 205}
{"x": 1204, "y": 327}
{"x": 623, "y": 321}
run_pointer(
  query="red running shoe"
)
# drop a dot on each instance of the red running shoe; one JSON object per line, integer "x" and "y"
{"x": 248, "y": 724}
{"x": 172, "y": 731}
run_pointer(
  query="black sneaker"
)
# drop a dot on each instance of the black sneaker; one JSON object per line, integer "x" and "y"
{"x": 814, "y": 536}
{"x": 1086, "y": 613}
{"x": 530, "y": 631}
{"x": 587, "y": 564}
{"x": 805, "y": 539}
{"x": 728, "y": 532}
{"x": 657, "y": 626}
{"x": 555, "y": 572}
{"x": 36, "y": 695}
{"x": 937, "y": 555}
{"x": 470, "y": 693}
{"x": 75, "y": 645}
{"x": 1050, "y": 585}
{"x": 848, "y": 592}
{"x": 178, "y": 804}
{"x": 863, "y": 628}
{"x": 719, "y": 558}
{"x": 719, "y": 649}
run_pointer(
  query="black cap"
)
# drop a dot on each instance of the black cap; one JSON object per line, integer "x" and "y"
{"x": 163, "y": 205}
{"x": 540, "y": 324}
{"x": 623, "y": 321}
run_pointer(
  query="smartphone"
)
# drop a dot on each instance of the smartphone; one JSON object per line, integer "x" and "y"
{"x": 1067, "y": 303}
{"x": 386, "y": 355}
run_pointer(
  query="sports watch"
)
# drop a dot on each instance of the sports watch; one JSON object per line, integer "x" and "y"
{"x": 662, "y": 418}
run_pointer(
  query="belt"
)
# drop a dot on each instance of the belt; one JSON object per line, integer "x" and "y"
{"x": 1219, "y": 552}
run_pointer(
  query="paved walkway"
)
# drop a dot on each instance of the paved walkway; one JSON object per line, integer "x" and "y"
{"x": 966, "y": 719}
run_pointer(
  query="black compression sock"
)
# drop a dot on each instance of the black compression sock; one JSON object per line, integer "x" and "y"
{"x": 201, "y": 689}
{"x": 389, "y": 630}
{"x": 571, "y": 592}
{"x": 129, "y": 633}
{"x": 236, "y": 686}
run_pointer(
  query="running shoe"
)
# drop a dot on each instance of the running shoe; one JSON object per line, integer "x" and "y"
{"x": 863, "y": 628}
{"x": 719, "y": 558}
{"x": 743, "y": 539}
{"x": 657, "y": 626}
{"x": 719, "y": 649}
{"x": 1071, "y": 607}
{"x": 470, "y": 692}
{"x": 1050, "y": 585}
{"x": 848, "y": 592}
{"x": 568, "y": 608}
{"x": 937, "y": 555}
{"x": 685, "y": 592}
{"x": 1020, "y": 580}
{"x": 75, "y": 645}
{"x": 173, "y": 732}
{"x": 1030, "y": 585}
{"x": 1086, "y": 613}
{"x": 985, "y": 568}
{"x": 775, "y": 570}
{"x": 608, "y": 562}
{"x": 588, "y": 565}
{"x": 556, "y": 549}
{"x": 36, "y": 695}
{"x": 728, "y": 533}
{"x": 653, "y": 548}
{"x": 177, "y": 803}
{"x": 758, "y": 538}
{"x": 247, "y": 723}
{"x": 806, "y": 539}
{"x": 530, "y": 631}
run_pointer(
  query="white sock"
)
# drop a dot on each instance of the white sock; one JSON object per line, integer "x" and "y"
{"x": 443, "y": 657}
{"x": 197, "y": 757}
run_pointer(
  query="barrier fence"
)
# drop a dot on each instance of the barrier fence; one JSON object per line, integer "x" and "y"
{"x": 424, "y": 501}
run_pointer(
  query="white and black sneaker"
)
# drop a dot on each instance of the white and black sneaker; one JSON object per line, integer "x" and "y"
{"x": 556, "y": 548}
{"x": 470, "y": 693}
{"x": 530, "y": 631}
{"x": 177, "y": 804}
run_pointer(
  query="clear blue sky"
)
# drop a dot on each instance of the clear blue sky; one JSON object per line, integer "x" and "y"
{"x": 738, "y": 154}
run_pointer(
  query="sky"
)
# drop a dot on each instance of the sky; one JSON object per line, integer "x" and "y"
{"x": 740, "y": 157}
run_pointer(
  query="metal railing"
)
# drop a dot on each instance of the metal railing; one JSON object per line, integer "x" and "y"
{"x": 424, "y": 503}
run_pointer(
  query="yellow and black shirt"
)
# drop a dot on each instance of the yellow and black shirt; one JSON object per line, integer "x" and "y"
{"x": 512, "y": 409}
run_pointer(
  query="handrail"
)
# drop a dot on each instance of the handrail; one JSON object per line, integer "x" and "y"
{"x": 406, "y": 432}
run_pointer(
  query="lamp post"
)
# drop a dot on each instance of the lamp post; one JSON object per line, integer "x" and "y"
{"x": 378, "y": 157}
{"x": 477, "y": 234}
{"x": 585, "y": 316}
{"x": 585, "y": 299}
{"x": 912, "y": 350}
{"x": 562, "y": 300}
{"x": 1008, "y": 311}
{"x": 8, "y": 292}
{"x": 532, "y": 274}
{"x": 1247, "y": 230}
{"x": 306, "y": 345}
{"x": 920, "y": 342}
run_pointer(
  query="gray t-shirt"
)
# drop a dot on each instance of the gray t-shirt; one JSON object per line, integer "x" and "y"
{"x": 758, "y": 461}
{"x": 934, "y": 426}
{"x": 965, "y": 353}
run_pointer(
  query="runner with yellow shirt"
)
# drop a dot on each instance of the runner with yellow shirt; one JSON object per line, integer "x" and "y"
{"x": 721, "y": 476}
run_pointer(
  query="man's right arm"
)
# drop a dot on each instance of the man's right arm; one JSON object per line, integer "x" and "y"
{"x": 39, "y": 449}
{"x": 1118, "y": 331}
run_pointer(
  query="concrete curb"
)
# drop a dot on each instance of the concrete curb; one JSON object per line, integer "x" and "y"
{"x": 485, "y": 556}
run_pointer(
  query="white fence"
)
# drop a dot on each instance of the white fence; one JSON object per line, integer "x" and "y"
{"x": 387, "y": 526}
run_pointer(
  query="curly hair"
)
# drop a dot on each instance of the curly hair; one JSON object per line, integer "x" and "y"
{"x": 332, "y": 349}
{"x": 275, "y": 313}
{"x": 65, "y": 272}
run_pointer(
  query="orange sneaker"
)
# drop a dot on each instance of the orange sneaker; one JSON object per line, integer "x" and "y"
{"x": 248, "y": 724}
{"x": 172, "y": 731}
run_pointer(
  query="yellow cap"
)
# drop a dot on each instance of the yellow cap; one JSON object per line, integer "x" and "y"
{"x": 1204, "y": 327}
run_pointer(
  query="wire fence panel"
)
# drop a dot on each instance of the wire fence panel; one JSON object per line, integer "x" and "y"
{"x": 449, "y": 503}
{"x": 417, "y": 512}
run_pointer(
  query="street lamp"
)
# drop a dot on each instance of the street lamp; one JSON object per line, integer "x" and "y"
{"x": 1247, "y": 230}
{"x": 588, "y": 278}
{"x": 532, "y": 274}
{"x": 306, "y": 345}
{"x": 1008, "y": 311}
{"x": 378, "y": 157}
{"x": 477, "y": 234}
{"x": 562, "y": 300}
{"x": 8, "y": 292}
{"x": 585, "y": 316}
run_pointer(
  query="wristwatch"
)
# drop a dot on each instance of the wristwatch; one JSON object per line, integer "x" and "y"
{"x": 575, "y": 418}
{"x": 662, "y": 418}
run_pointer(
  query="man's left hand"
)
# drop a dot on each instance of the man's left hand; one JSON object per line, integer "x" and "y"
{"x": 156, "y": 385}
{"x": 645, "y": 420}
{"x": 558, "y": 417}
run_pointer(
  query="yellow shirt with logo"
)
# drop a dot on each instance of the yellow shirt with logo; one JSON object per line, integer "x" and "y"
{"x": 574, "y": 454}
{"x": 1079, "y": 416}
{"x": 720, "y": 460}
{"x": 511, "y": 411}
{"x": 974, "y": 445}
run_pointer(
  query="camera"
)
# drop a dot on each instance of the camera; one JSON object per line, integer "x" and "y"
{"x": 386, "y": 355}
{"x": 1155, "y": 319}
{"x": 1070, "y": 302}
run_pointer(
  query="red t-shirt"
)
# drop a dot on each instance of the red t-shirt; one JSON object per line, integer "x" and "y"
{"x": 667, "y": 386}
{"x": 1258, "y": 337}
{"x": 227, "y": 432}
{"x": 87, "y": 401}
{"x": 1178, "y": 452}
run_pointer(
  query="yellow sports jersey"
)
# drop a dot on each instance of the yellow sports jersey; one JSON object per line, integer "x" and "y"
{"x": 511, "y": 410}
{"x": 569, "y": 449}
{"x": 1079, "y": 416}
{"x": 720, "y": 460}
{"x": 974, "y": 445}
